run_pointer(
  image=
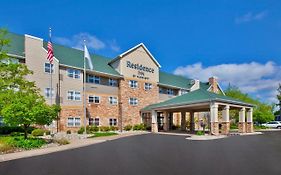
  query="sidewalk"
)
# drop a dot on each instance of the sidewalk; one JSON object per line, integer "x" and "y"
{"x": 74, "y": 144}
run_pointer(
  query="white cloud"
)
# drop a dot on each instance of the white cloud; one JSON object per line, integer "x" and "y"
{"x": 253, "y": 78}
{"x": 250, "y": 16}
{"x": 92, "y": 42}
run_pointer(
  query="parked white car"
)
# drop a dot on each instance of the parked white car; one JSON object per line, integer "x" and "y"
{"x": 273, "y": 124}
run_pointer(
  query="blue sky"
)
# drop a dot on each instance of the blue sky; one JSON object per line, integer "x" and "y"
{"x": 238, "y": 41}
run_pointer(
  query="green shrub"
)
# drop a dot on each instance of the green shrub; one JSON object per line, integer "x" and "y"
{"x": 148, "y": 128}
{"x": 5, "y": 130}
{"x": 68, "y": 132}
{"x": 16, "y": 134}
{"x": 29, "y": 143}
{"x": 200, "y": 133}
{"x": 38, "y": 132}
{"x": 62, "y": 141}
{"x": 5, "y": 148}
{"x": 113, "y": 128}
{"x": 138, "y": 127}
{"x": 47, "y": 132}
{"x": 128, "y": 127}
{"x": 81, "y": 130}
{"x": 104, "y": 128}
{"x": 91, "y": 129}
{"x": 233, "y": 126}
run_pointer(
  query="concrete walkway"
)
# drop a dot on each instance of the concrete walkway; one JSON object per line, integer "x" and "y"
{"x": 74, "y": 144}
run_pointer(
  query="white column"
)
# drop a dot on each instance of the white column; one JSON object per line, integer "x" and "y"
{"x": 214, "y": 112}
{"x": 154, "y": 124}
{"x": 225, "y": 114}
{"x": 242, "y": 115}
{"x": 250, "y": 115}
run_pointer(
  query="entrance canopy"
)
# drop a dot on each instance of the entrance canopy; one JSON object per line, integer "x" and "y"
{"x": 197, "y": 100}
{"x": 202, "y": 101}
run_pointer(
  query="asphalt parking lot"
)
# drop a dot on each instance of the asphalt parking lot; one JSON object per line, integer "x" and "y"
{"x": 160, "y": 154}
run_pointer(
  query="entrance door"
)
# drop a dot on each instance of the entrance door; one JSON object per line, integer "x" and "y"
{"x": 160, "y": 120}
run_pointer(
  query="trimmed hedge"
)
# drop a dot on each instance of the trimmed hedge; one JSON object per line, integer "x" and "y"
{"x": 5, "y": 130}
{"x": 128, "y": 128}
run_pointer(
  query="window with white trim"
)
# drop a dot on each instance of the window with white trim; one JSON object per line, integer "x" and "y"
{"x": 94, "y": 99}
{"x": 133, "y": 101}
{"x": 73, "y": 73}
{"x": 93, "y": 79}
{"x": 48, "y": 68}
{"x": 112, "y": 100}
{"x": 74, "y": 95}
{"x": 94, "y": 121}
{"x": 161, "y": 90}
{"x": 49, "y": 92}
{"x": 73, "y": 121}
{"x": 133, "y": 84}
{"x": 147, "y": 86}
{"x": 112, "y": 122}
{"x": 112, "y": 82}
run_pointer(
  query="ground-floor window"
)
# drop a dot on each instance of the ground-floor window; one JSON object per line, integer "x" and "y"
{"x": 112, "y": 122}
{"x": 73, "y": 121}
{"x": 49, "y": 92}
{"x": 133, "y": 101}
{"x": 94, "y": 121}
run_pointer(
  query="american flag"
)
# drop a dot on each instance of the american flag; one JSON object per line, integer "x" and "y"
{"x": 50, "y": 54}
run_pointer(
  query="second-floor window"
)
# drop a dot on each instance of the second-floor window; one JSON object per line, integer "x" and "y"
{"x": 112, "y": 82}
{"x": 74, "y": 95}
{"x": 93, "y": 79}
{"x": 147, "y": 86}
{"x": 133, "y": 84}
{"x": 49, "y": 68}
{"x": 73, "y": 73}
{"x": 94, "y": 99}
{"x": 112, "y": 100}
{"x": 133, "y": 101}
{"x": 49, "y": 92}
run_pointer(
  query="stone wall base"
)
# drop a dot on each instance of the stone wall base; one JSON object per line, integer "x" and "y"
{"x": 250, "y": 127}
{"x": 154, "y": 127}
{"x": 225, "y": 127}
{"x": 242, "y": 127}
{"x": 215, "y": 128}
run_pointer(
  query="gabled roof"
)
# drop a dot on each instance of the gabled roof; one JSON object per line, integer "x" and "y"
{"x": 16, "y": 46}
{"x": 197, "y": 96}
{"x": 134, "y": 48}
{"x": 74, "y": 57}
{"x": 167, "y": 79}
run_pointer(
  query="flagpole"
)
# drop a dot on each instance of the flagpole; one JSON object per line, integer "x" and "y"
{"x": 51, "y": 70}
{"x": 84, "y": 91}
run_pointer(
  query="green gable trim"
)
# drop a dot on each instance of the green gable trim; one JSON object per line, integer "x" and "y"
{"x": 193, "y": 97}
{"x": 75, "y": 58}
{"x": 174, "y": 80}
{"x": 16, "y": 46}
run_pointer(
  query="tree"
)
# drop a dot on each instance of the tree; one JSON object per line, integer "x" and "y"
{"x": 279, "y": 98}
{"x": 262, "y": 112}
{"x": 20, "y": 100}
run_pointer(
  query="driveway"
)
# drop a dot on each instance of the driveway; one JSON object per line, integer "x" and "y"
{"x": 160, "y": 154}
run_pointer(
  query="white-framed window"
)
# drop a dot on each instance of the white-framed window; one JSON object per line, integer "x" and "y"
{"x": 133, "y": 101}
{"x": 112, "y": 82}
{"x": 94, "y": 121}
{"x": 93, "y": 79}
{"x": 170, "y": 91}
{"x": 73, "y": 73}
{"x": 49, "y": 92}
{"x": 112, "y": 100}
{"x": 147, "y": 86}
{"x": 161, "y": 90}
{"x": 48, "y": 67}
{"x": 133, "y": 84}
{"x": 184, "y": 91}
{"x": 74, "y": 95}
{"x": 112, "y": 122}
{"x": 73, "y": 121}
{"x": 94, "y": 99}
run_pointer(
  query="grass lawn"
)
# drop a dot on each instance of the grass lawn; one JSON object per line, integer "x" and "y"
{"x": 103, "y": 134}
{"x": 12, "y": 143}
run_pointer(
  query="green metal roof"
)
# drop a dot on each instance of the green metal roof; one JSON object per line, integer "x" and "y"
{"x": 174, "y": 80}
{"x": 196, "y": 96}
{"x": 16, "y": 46}
{"x": 74, "y": 57}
